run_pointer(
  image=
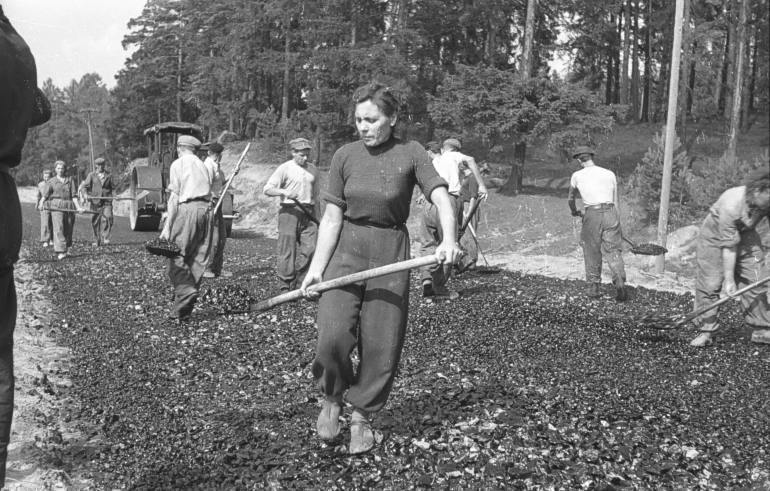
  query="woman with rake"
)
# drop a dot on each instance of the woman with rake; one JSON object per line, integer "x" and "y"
{"x": 364, "y": 226}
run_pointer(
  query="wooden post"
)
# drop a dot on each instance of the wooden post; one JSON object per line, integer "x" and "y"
{"x": 668, "y": 149}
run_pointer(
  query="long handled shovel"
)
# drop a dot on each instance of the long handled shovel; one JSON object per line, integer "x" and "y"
{"x": 672, "y": 322}
{"x": 307, "y": 212}
{"x": 646, "y": 249}
{"x": 368, "y": 274}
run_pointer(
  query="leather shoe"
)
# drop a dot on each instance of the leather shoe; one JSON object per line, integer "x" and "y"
{"x": 328, "y": 424}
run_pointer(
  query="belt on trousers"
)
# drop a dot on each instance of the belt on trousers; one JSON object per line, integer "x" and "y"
{"x": 201, "y": 198}
{"x": 603, "y": 206}
{"x": 367, "y": 223}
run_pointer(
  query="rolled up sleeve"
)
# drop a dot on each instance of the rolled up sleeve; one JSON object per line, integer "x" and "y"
{"x": 426, "y": 175}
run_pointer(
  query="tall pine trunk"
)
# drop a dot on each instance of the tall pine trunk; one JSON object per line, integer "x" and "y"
{"x": 515, "y": 181}
{"x": 635, "y": 64}
{"x": 286, "y": 74}
{"x": 748, "y": 95}
{"x": 730, "y": 67}
{"x": 740, "y": 55}
{"x": 685, "y": 72}
{"x": 626, "y": 52}
{"x": 646, "y": 106}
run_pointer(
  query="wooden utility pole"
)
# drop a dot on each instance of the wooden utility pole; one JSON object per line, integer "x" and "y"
{"x": 88, "y": 112}
{"x": 668, "y": 149}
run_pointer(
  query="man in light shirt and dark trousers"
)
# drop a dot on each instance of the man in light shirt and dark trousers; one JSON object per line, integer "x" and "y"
{"x": 449, "y": 166}
{"x": 187, "y": 224}
{"x": 601, "y": 234}
{"x": 296, "y": 183}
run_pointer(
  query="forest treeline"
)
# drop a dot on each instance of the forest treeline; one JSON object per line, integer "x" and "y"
{"x": 480, "y": 69}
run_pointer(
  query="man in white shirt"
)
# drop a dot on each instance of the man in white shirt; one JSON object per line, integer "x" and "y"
{"x": 296, "y": 183}
{"x": 449, "y": 166}
{"x": 187, "y": 224}
{"x": 601, "y": 233}
{"x": 219, "y": 235}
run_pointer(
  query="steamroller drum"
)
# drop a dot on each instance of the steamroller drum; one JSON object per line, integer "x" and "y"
{"x": 143, "y": 213}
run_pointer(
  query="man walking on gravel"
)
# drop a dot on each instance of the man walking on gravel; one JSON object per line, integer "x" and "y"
{"x": 187, "y": 224}
{"x": 296, "y": 183}
{"x": 601, "y": 234}
{"x": 449, "y": 166}
{"x": 22, "y": 105}
{"x": 46, "y": 223}
{"x": 219, "y": 237}
{"x": 730, "y": 255}
{"x": 99, "y": 183}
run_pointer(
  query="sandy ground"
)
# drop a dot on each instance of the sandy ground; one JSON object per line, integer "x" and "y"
{"x": 41, "y": 369}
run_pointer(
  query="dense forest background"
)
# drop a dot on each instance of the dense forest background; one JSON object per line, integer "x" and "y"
{"x": 502, "y": 73}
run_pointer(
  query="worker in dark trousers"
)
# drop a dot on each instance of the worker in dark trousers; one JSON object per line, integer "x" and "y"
{"x": 296, "y": 183}
{"x": 187, "y": 225}
{"x": 22, "y": 105}
{"x": 46, "y": 223}
{"x": 449, "y": 166}
{"x": 730, "y": 254}
{"x": 96, "y": 184}
{"x": 601, "y": 235}
{"x": 214, "y": 161}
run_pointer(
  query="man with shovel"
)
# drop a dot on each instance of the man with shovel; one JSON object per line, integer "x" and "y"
{"x": 187, "y": 224}
{"x": 296, "y": 183}
{"x": 730, "y": 254}
{"x": 600, "y": 234}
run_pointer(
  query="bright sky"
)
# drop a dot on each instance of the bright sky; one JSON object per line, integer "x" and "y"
{"x": 70, "y": 38}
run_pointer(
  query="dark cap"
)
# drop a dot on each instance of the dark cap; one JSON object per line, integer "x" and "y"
{"x": 99, "y": 161}
{"x": 189, "y": 141}
{"x": 300, "y": 144}
{"x": 216, "y": 147}
{"x": 582, "y": 150}
{"x": 433, "y": 146}
{"x": 453, "y": 142}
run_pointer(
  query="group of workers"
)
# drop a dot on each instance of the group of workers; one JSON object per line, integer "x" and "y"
{"x": 59, "y": 199}
{"x": 730, "y": 251}
{"x": 367, "y": 203}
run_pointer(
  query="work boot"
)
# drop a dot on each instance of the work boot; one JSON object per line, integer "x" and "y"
{"x": 328, "y": 424}
{"x": 427, "y": 288}
{"x": 703, "y": 339}
{"x": 593, "y": 290}
{"x": 444, "y": 292}
{"x": 361, "y": 434}
{"x": 761, "y": 336}
{"x": 621, "y": 293}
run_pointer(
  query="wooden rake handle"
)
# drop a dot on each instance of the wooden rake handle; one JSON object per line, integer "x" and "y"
{"x": 695, "y": 313}
{"x": 368, "y": 274}
{"x": 468, "y": 218}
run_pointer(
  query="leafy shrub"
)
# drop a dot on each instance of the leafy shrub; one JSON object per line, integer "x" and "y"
{"x": 709, "y": 178}
{"x": 644, "y": 184}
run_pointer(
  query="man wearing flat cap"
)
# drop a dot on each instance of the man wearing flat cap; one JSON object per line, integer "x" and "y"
{"x": 96, "y": 186}
{"x": 187, "y": 223}
{"x": 219, "y": 236}
{"x": 296, "y": 183}
{"x": 600, "y": 234}
{"x": 449, "y": 165}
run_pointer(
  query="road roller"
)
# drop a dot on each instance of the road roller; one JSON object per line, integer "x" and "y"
{"x": 148, "y": 183}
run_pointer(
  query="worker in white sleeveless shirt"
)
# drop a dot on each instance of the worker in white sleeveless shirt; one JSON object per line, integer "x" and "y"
{"x": 601, "y": 233}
